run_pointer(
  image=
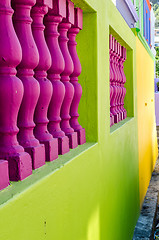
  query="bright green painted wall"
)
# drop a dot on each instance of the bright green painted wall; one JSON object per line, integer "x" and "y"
{"x": 95, "y": 195}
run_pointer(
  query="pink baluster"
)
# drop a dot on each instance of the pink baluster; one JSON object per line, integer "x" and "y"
{"x": 119, "y": 82}
{"x": 111, "y": 79}
{"x": 11, "y": 93}
{"x": 64, "y": 26}
{"x": 52, "y": 20}
{"x": 4, "y": 177}
{"x": 114, "y": 97}
{"x": 73, "y": 31}
{"x": 124, "y": 81}
{"x": 121, "y": 79}
{"x": 46, "y": 90}
{"x": 30, "y": 58}
{"x": 122, "y": 60}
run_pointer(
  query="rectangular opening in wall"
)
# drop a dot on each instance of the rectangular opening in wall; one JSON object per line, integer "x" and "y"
{"x": 121, "y": 81}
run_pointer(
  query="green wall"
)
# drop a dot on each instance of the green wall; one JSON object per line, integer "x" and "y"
{"x": 91, "y": 193}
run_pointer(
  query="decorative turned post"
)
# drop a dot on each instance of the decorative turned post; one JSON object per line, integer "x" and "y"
{"x": 123, "y": 82}
{"x": 113, "y": 102}
{"x": 111, "y": 79}
{"x": 11, "y": 93}
{"x": 4, "y": 175}
{"x": 46, "y": 90}
{"x": 118, "y": 81}
{"x": 121, "y": 78}
{"x": 64, "y": 26}
{"x": 52, "y": 20}
{"x": 30, "y": 58}
{"x": 73, "y": 31}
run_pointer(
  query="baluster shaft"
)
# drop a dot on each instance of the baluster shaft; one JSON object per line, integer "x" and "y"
{"x": 73, "y": 31}
{"x": 30, "y": 58}
{"x": 46, "y": 89}
{"x": 64, "y": 26}
{"x": 11, "y": 94}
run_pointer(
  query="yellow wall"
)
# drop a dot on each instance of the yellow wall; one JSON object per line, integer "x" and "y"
{"x": 147, "y": 141}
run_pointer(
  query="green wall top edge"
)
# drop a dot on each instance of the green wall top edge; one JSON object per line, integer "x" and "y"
{"x": 84, "y": 6}
{"x": 120, "y": 124}
{"x": 17, "y": 188}
{"x": 137, "y": 32}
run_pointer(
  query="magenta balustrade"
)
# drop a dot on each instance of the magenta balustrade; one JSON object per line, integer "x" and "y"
{"x": 117, "y": 80}
{"x": 64, "y": 26}
{"x": 30, "y": 59}
{"x": 40, "y": 116}
{"x": 72, "y": 32}
{"x": 11, "y": 93}
{"x": 111, "y": 78}
{"x": 52, "y": 21}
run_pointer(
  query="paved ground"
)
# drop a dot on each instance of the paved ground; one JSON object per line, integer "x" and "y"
{"x": 148, "y": 221}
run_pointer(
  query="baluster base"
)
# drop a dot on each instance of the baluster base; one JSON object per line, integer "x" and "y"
{"x": 63, "y": 145}
{"x": 37, "y": 154}
{"x": 111, "y": 121}
{"x": 116, "y": 118}
{"x": 20, "y": 166}
{"x": 81, "y": 136}
{"x": 4, "y": 173}
{"x": 51, "y": 149}
{"x": 125, "y": 114}
{"x": 73, "y": 139}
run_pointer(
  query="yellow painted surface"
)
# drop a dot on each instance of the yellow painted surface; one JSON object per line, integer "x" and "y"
{"x": 147, "y": 140}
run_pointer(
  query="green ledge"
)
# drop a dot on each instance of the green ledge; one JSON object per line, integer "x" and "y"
{"x": 15, "y": 188}
{"x": 137, "y": 32}
{"x": 120, "y": 124}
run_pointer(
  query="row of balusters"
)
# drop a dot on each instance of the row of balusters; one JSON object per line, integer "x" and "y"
{"x": 117, "y": 57}
{"x": 39, "y": 89}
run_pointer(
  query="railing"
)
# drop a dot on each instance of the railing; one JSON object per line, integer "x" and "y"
{"x": 39, "y": 92}
{"x": 117, "y": 57}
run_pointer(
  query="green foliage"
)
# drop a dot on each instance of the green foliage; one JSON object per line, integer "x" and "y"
{"x": 157, "y": 61}
{"x": 155, "y": 5}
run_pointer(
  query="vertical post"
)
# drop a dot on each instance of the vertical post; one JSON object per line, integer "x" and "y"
{"x": 64, "y": 26}
{"x": 52, "y": 20}
{"x": 4, "y": 176}
{"x": 73, "y": 31}
{"x": 114, "y": 97}
{"x": 11, "y": 93}
{"x": 30, "y": 58}
{"x": 123, "y": 82}
{"x": 46, "y": 89}
{"x": 118, "y": 81}
{"x": 111, "y": 79}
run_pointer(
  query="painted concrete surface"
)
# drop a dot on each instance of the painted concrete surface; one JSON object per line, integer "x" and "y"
{"x": 146, "y": 117}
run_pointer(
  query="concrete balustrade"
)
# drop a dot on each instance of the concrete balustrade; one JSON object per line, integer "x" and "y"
{"x": 117, "y": 56}
{"x": 72, "y": 33}
{"x": 39, "y": 100}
